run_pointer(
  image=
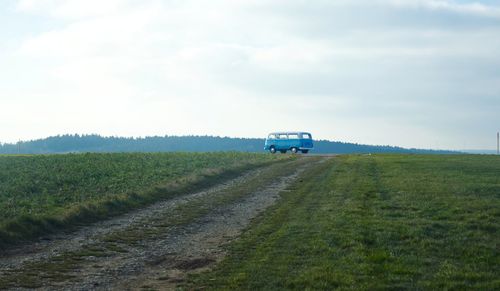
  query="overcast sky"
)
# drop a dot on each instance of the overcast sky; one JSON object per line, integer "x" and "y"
{"x": 412, "y": 73}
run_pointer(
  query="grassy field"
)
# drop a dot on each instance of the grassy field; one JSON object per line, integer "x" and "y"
{"x": 44, "y": 193}
{"x": 375, "y": 222}
{"x": 135, "y": 238}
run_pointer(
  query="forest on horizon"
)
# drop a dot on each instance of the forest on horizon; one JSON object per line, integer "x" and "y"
{"x": 75, "y": 143}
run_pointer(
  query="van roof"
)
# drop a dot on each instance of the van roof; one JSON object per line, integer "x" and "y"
{"x": 290, "y": 132}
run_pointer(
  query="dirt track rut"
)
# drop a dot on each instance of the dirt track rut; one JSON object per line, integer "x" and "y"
{"x": 155, "y": 247}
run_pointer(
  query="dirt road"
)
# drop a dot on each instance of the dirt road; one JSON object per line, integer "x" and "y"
{"x": 155, "y": 247}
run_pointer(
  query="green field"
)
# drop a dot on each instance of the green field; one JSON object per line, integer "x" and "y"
{"x": 44, "y": 193}
{"x": 374, "y": 222}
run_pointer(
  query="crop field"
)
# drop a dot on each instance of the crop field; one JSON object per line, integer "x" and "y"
{"x": 42, "y": 193}
{"x": 375, "y": 222}
{"x": 236, "y": 221}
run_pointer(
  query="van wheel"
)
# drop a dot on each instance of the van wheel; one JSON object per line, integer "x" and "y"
{"x": 272, "y": 150}
{"x": 305, "y": 151}
{"x": 294, "y": 150}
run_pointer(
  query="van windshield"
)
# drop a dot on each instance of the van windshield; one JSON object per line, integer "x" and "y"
{"x": 306, "y": 136}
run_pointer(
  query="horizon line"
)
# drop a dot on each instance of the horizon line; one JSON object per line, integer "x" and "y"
{"x": 231, "y": 137}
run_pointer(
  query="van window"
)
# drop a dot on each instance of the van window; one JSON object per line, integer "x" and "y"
{"x": 306, "y": 135}
{"x": 293, "y": 136}
{"x": 272, "y": 136}
{"x": 283, "y": 136}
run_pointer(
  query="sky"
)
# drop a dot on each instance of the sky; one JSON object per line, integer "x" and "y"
{"x": 411, "y": 73}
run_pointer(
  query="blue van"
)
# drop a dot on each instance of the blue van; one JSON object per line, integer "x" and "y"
{"x": 289, "y": 141}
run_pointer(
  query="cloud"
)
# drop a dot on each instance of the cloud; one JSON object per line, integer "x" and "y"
{"x": 473, "y": 8}
{"x": 340, "y": 62}
{"x": 73, "y": 9}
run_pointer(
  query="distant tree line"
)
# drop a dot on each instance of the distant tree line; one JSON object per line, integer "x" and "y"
{"x": 96, "y": 143}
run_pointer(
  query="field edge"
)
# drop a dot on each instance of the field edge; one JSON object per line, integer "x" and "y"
{"x": 26, "y": 229}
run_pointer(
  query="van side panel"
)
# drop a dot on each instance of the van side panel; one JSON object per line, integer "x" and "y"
{"x": 306, "y": 143}
{"x": 294, "y": 143}
{"x": 269, "y": 143}
{"x": 281, "y": 144}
